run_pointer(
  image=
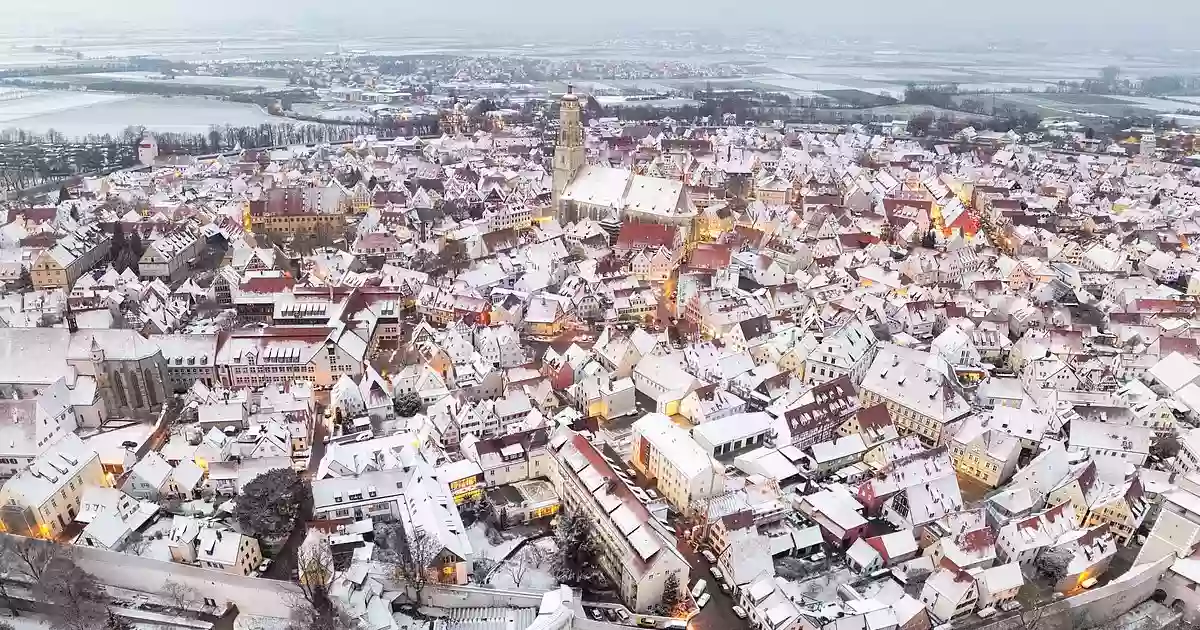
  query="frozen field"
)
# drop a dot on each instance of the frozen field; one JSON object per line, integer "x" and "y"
{"x": 77, "y": 114}
{"x": 184, "y": 80}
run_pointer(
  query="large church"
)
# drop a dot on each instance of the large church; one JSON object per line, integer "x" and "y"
{"x": 606, "y": 194}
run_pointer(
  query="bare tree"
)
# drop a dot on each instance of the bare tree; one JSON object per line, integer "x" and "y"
{"x": 77, "y": 598}
{"x": 136, "y": 544}
{"x": 180, "y": 595}
{"x": 1029, "y": 619}
{"x": 31, "y": 558}
{"x": 314, "y": 609}
{"x": 519, "y": 565}
{"x": 8, "y": 600}
{"x": 412, "y": 556}
{"x": 1053, "y": 563}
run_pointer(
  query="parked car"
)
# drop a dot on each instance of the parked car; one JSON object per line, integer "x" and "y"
{"x": 717, "y": 573}
{"x": 698, "y": 588}
{"x": 740, "y": 612}
{"x": 703, "y": 600}
{"x": 725, "y": 586}
{"x": 596, "y": 614}
{"x": 708, "y": 555}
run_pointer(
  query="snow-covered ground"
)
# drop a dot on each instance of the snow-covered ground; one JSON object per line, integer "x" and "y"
{"x": 108, "y": 439}
{"x": 404, "y": 622}
{"x": 256, "y": 622}
{"x": 534, "y": 559}
{"x": 477, "y": 534}
{"x": 31, "y": 621}
{"x": 824, "y": 587}
{"x": 28, "y": 621}
{"x": 157, "y": 549}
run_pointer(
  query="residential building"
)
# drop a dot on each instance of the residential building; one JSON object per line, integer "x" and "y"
{"x": 984, "y": 454}
{"x": 683, "y": 470}
{"x": 920, "y": 401}
{"x": 637, "y": 552}
{"x": 848, "y": 351}
{"x": 735, "y": 433}
{"x": 950, "y": 593}
{"x": 170, "y": 257}
{"x": 43, "y": 499}
{"x": 62, "y": 264}
{"x": 188, "y": 359}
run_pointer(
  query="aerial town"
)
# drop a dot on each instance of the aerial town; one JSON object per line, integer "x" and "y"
{"x": 590, "y": 373}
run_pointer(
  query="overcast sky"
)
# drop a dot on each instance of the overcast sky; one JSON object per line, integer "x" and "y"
{"x": 1094, "y": 23}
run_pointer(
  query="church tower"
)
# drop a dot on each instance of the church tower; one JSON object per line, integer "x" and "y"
{"x": 568, "y": 153}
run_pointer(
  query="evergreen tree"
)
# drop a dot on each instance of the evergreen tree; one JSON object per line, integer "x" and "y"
{"x": 670, "y": 596}
{"x": 118, "y": 239}
{"x": 135, "y": 245}
{"x": 929, "y": 241}
{"x": 576, "y": 563}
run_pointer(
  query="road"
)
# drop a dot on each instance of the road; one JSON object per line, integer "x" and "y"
{"x": 718, "y": 613}
{"x": 285, "y": 560}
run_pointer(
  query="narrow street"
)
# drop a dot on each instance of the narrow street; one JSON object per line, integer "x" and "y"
{"x": 718, "y": 613}
{"x": 284, "y": 561}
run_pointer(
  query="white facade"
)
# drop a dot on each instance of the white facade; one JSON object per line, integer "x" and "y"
{"x": 637, "y": 552}
{"x": 680, "y": 468}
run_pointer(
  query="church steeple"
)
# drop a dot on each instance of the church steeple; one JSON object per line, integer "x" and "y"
{"x": 568, "y": 153}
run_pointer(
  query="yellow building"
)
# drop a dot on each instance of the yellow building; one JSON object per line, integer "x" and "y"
{"x": 465, "y": 479}
{"x": 988, "y": 456}
{"x": 60, "y": 266}
{"x": 545, "y": 316}
{"x": 331, "y": 225}
{"x": 1122, "y": 507}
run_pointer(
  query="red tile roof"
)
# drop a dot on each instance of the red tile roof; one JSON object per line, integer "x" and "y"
{"x": 646, "y": 235}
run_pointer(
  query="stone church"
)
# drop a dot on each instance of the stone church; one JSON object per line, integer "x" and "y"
{"x": 605, "y": 194}
{"x": 110, "y": 373}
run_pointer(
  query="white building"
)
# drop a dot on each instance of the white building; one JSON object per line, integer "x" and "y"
{"x": 29, "y": 426}
{"x": 411, "y": 495}
{"x": 1115, "y": 449}
{"x": 734, "y": 433}
{"x": 919, "y": 399}
{"x": 1177, "y": 529}
{"x": 848, "y": 350}
{"x": 637, "y": 551}
{"x": 681, "y": 469}
{"x": 225, "y": 550}
{"x": 171, "y": 256}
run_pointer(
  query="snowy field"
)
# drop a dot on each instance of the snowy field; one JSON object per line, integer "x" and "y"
{"x": 531, "y": 564}
{"x": 77, "y": 114}
{"x": 17, "y": 105}
{"x": 477, "y": 534}
{"x": 154, "y": 77}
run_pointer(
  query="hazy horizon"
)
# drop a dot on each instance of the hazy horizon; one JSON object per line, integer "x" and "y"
{"x": 1156, "y": 25}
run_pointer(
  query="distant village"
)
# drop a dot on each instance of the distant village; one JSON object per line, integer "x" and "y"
{"x": 596, "y": 374}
